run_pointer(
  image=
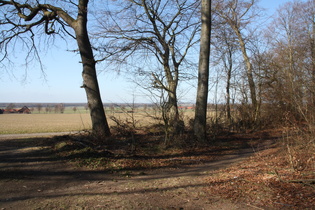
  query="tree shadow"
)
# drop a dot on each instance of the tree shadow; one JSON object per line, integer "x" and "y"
{"x": 35, "y": 157}
{"x": 34, "y": 164}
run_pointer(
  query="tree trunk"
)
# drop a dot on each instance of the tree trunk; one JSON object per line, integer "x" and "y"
{"x": 313, "y": 50}
{"x": 249, "y": 72}
{"x": 100, "y": 126}
{"x": 228, "y": 84}
{"x": 36, "y": 14}
{"x": 171, "y": 113}
{"x": 203, "y": 72}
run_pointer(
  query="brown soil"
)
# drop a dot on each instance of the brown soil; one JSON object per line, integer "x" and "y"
{"x": 33, "y": 177}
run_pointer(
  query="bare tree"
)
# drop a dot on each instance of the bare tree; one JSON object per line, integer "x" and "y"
{"x": 10, "y": 106}
{"x": 62, "y": 108}
{"x": 225, "y": 49}
{"x": 48, "y": 109}
{"x": 289, "y": 70}
{"x": 308, "y": 16}
{"x": 23, "y": 19}
{"x": 39, "y": 107}
{"x": 153, "y": 38}
{"x": 238, "y": 14}
{"x": 203, "y": 72}
{"x": 56, "y": 108}
{"x": 228, "y": 65}
{"x": 86, "y": 107}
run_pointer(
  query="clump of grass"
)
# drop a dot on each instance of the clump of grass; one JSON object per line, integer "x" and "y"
{"x": 93, "y": 162}
{"x": 61, "y": 146}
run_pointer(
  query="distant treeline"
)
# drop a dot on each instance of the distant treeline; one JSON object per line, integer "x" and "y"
{"x": 34, "y": 105}
{"x": 4, "y": 105}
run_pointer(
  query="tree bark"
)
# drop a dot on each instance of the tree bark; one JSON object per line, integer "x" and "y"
{"x": 170, "y": 109}
{"x": 173, "y": 112}
{"x": 203, "y": 72}
{"x": 100, "y": 126}
{"x": 312, "y": 37}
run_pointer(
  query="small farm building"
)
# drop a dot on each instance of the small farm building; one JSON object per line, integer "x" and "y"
{"x": 24, "y": 110}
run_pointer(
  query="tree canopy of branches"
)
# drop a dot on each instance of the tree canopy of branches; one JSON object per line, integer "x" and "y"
{"x": 153, "y": 38}
{"x": 278, "y": 61}
{"x": 272, "y": 73}
{"x": 288, "y": 73}
{"x": 238, "y": 15}
{"x": 22, "y": 21}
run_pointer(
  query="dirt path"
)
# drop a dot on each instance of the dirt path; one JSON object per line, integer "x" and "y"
{"x": 32, "y": 178}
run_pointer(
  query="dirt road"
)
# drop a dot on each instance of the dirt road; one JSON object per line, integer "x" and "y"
{"x": 31, "y": 177}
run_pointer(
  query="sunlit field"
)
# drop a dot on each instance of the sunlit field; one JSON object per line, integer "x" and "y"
{"x": 42, "y": 123}
{"x": 71, "y": 121}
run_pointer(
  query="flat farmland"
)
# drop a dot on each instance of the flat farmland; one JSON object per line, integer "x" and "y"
{"x": 70, "y": 121}
{"x": 45, "y": 123}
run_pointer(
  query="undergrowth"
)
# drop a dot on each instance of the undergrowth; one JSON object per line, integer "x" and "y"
{"x": 281, "y": 177}
{"x": 120, "y": 153}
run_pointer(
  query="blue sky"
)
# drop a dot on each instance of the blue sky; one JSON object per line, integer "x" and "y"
{"x": 63, "y": 78}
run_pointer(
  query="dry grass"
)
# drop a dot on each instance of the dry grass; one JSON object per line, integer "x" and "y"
{"x": 42, "y": 123}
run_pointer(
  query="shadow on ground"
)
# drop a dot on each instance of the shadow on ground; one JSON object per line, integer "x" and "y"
{"x": 33, "y": 176}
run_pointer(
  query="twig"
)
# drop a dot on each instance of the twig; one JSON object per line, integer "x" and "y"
{"x": 256, "y": 207}
{"x": 284, "y": 204}
{"x": 303, "y": 181}
{"x": 308, "y": 182}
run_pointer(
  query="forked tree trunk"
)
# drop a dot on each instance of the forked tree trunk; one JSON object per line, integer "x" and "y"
{"x": 203, "y": 72}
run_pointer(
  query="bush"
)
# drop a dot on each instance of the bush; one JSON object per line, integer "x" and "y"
{"x": 299, "y": 144}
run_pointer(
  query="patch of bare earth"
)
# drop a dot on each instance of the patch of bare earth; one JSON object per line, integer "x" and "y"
{"x": 223, "y": 176}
